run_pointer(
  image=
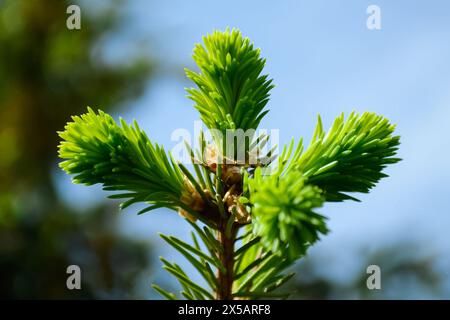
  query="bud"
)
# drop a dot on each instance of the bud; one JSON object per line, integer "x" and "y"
{"x": 231, "y": 175}
{"x": 211, "y": 157}
{"x": 187, "y": 215}
{"x": 241, "y": 214}
{"x": 192, "y": 199}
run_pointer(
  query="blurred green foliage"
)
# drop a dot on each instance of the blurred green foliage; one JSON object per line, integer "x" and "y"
{"x": 48, "y": 73}
{"x": 408, "y": 271}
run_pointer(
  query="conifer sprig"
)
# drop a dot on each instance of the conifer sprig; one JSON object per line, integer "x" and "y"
{"x": 231, "y": 91}
{"x": 349, "y": 158}
{"x": 258, "y": 217}
{"x": 283, "y": 213}
{"x": 121, "y": 158}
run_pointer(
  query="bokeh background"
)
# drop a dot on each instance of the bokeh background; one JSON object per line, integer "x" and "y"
{"x": 128, "y": 59}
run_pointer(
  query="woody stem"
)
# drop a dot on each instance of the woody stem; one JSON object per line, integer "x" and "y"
{"x": 225, "y": 277}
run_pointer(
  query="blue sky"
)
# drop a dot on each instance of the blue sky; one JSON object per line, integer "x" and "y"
{"x": 324, "y": 61}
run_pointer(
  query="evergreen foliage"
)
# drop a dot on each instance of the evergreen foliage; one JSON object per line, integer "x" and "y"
{"x": 253, "y": 225}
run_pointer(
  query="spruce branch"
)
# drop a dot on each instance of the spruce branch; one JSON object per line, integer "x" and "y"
{"x": 252, "y": 218}
{"x": 121, "y": 158}
{"x": 283, "y": 213}
{"x": 231, "y": 92}
{"x": 350, "y": 157}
